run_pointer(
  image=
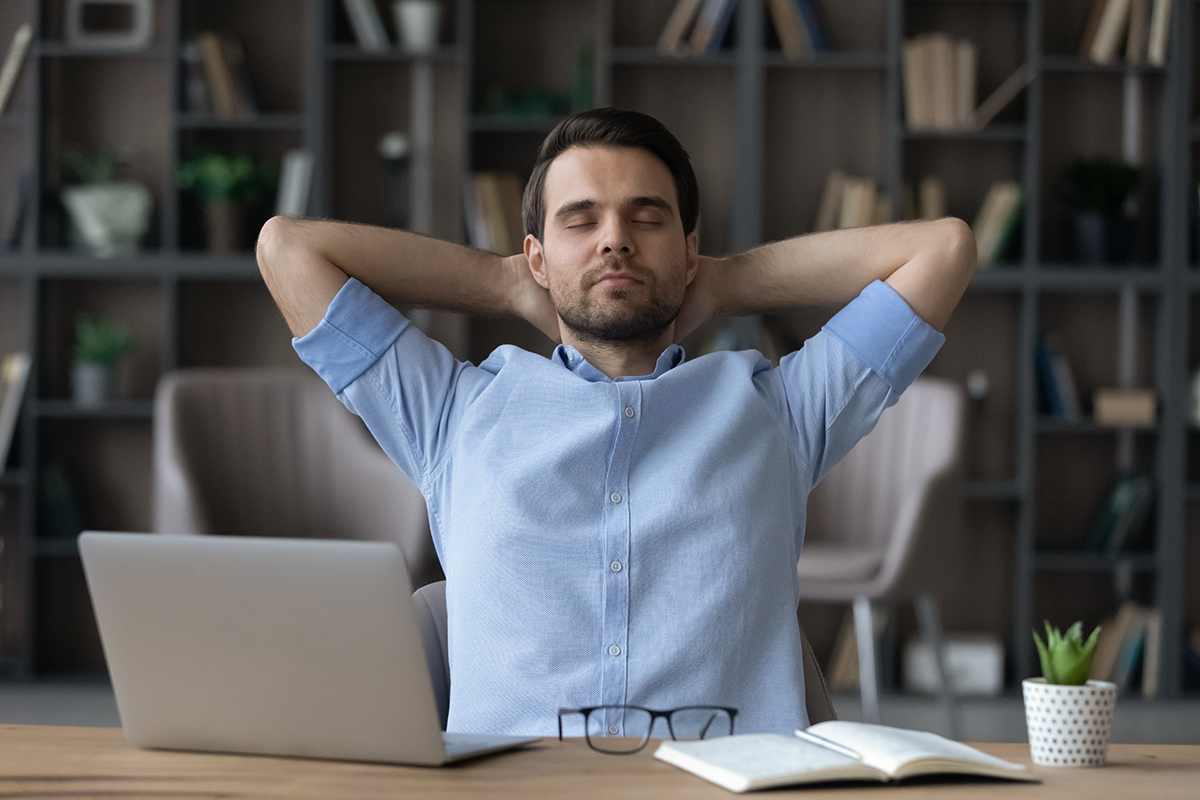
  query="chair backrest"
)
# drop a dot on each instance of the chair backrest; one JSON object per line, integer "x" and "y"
{"x": 895, "y": 483}
{"x": 430, "y": 601}
{"x": 271, "y": 452}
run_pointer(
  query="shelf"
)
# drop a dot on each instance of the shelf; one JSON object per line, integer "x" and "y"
{"x": 446, "y": 54}
{"x": 1067, "y": 275}
{"x": 650, "y": 57}
{"x": 1011, "y": 132}
{"x": 55, "y": 547}
{"x": 1078, "y": 561}
{"x": 1048, "y": 424}
{"x": 830, "y": 60}
{"x": 132, "y": 410}
{"x": 515, "y": 123}
{"x": 992, "y": 490}
{"x": 157, "y": 51}
{"x": 254, "y": 122}
{"x": 147, "y": 265}
{"x": 1068, "y": 64}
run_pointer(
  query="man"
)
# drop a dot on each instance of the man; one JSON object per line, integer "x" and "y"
{"x": 618, "y": 526}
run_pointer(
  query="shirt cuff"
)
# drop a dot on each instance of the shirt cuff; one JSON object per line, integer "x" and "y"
{"x": 358, "y": 327}
{"x": 880, "y": 328}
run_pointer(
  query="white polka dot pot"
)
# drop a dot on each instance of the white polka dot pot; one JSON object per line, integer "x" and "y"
{"x": 1069, "y": 725}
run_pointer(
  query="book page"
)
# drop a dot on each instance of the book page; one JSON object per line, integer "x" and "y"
{"x": 900, "y": 752}
{"x": 762, "y": 760}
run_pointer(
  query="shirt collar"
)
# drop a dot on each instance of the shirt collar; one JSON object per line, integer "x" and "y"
{"x": 573, "y": 360}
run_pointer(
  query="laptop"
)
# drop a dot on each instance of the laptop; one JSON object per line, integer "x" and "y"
{"x": 283, "y": 647}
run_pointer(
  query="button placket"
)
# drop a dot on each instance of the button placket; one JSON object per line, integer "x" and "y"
{"x": 617, "y": 532}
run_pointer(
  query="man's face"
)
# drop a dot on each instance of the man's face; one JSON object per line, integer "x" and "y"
{"x": 613, "y": 255}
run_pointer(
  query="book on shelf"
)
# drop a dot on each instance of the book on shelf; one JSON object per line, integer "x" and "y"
{"x": 14, "y": 375}
{"x": 1000, "y": 97}
{"x": 931, "y": 198}
{"x": 494, "y": 212}
{"x": 1137, "y": 27}
{"x": 295, "y": 182}
{"x": 1125, "y": 408}
{"x": 851, "y": 202}
{"x": 367, "y": 24}
{"x": 813, "y": 19}
{"x": 1129, "y": 641}
{"x": 13, "y": 62}
{"x": 1121, "y": 518}
{"x": 226, "y": 75}
{"x": 1160, "y": 22}
{"x": 794, "y": 39}
{"x": 671, "y": 40}
{"x": 831, "y": 751}
{"x": 711, "y": 26}
{"x": 939, "y": 82}
{"x": 1138, "y": 32}
{"x": 60, "y": 514}
{"x": 1056, "y": 379}
{"x": 21, "y": 209}
{"x": 1110, "y": 31}
{"x": 996, "y": 223}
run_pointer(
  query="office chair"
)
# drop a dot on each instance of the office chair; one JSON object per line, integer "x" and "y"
{"x": 886, "y": 522}
{"x": 430, "y": 601}
{"x": 271, "y": 452}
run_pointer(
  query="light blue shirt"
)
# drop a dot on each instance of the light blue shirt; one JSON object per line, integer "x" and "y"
{"x": 619, "y": 542}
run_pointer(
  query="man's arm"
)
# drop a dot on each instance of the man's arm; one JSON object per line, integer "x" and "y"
{"x": 929, "y": 264}
{"x": 306, "y": 262}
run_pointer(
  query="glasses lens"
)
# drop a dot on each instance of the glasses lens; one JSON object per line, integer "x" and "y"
{"x": 618, "y": 729}
{"x": 701, "y": 722}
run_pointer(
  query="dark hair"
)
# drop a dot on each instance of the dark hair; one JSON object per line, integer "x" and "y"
{"x": 611, "y": 127}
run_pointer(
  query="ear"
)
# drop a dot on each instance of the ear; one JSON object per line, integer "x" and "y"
{"x": 692, "y": 242}
{"x": 537, "y": 264}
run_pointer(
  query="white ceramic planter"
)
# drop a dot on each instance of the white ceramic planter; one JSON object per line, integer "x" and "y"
{"x": 91, "y": 384}
{"x": 1069, "y": 726}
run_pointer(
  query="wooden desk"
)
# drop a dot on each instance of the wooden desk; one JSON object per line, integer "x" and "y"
{"x": 43, "y": 761}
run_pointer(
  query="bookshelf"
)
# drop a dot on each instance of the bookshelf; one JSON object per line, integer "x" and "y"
{"x": 763, "y": 133}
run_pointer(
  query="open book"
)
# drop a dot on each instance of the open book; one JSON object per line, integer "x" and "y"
{"x": 831, "y": 751}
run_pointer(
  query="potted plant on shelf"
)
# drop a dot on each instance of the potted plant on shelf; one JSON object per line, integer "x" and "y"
{"x": 108, "y": 216}
{"x": 226, "y": 185}
{"x": 1069, "y": 717}
{"x": 100, "y": 344}
{"x": 1101, "y": 226}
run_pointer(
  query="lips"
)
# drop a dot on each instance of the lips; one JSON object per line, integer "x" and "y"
{"x": 618, "y": 280}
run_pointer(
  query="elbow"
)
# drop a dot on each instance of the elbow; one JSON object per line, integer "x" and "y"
{"x": 273, "y": 238}
{"x": 960, "y": 249}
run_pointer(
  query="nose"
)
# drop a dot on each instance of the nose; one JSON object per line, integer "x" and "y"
{"x": 615, "y": 237}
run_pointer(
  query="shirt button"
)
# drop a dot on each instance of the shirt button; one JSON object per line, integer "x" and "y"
{"x": 615, "y": 497}
{"x": 613, "y": 730}
{"x": 629, "y": 411}
{"x": 615, "y": 566}
{"x": 614, "y": 651}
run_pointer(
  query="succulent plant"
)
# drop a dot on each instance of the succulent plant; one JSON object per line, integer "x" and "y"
{"x": 1066, "y": 658}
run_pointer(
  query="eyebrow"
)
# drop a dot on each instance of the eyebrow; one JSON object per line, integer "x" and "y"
{"x": 645, "y": 201}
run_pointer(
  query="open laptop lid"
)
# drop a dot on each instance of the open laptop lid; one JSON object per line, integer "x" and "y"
{"x": 267, "y": 646}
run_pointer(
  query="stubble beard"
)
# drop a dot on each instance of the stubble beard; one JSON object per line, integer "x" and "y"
{"x": 617, "y": 317}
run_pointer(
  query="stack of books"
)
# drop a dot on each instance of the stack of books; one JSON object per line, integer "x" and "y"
{"x": 493, "y": 207}
{"x": 1138, "y": 27}
{"x": 940, "y": 85}
{"x": 1129, "y": 640}
{"x": 998, "y": 220}
{"x": 851, "y": 202}
{"x": 217, "y": 80}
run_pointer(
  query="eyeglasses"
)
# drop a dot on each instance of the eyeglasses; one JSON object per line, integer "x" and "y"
{"x": 623, "y": 730}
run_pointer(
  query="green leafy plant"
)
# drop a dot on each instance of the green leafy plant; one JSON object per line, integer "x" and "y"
{"x": 100, "y": 341}
{"x": 226, "y": 178}
{"x": 83, "y": 166}
{"x": 1066, "y": 659}
{"x": 1101, "y": 184}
